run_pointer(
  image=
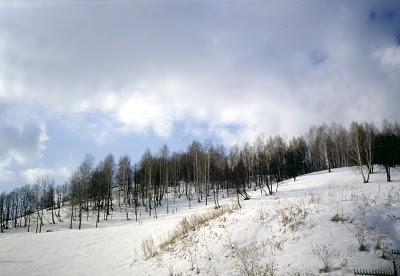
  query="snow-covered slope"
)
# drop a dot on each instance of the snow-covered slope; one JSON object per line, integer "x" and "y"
{"x": 290, "y": 232}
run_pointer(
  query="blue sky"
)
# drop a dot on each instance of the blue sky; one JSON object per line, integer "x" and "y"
{"x": 81, "y": 77}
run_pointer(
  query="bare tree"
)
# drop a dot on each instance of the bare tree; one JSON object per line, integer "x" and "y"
{"x": 124, "y": 178}
{"x": 361, "y": 147}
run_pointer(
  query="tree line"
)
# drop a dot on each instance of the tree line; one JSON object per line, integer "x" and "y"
{"x": 203, "y": 172}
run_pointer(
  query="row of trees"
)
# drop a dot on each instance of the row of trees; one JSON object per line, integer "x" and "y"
{"x": 19, "y": 206}
{"x": 203, "y": 172}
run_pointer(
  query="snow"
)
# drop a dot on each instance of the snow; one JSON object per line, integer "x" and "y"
{"x": 223, "y": 246}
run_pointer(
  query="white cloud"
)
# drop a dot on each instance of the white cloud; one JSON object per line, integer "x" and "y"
{"x": 22, "y": 140}
{"x": 228, "y": 70}
{"x": 389, "y": 56}
{"x": 32, "y": 174}
{"x": 143, "y": 110}
{"x": 6, "y": 175}
{"x": 23, "y": 143}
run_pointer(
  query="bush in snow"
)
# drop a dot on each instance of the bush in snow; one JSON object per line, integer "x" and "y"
{"x": 262, "y": 213}
{"x": 361, "y": 236}
{"x": 251, "y": 261}
{"x": 392, "y": 196}
{"x": 293, "y": 215}
{"x": 148, "y": 248}
{"x": 314, "y": 198}
{"x": 339, "y": 216}
{"x": 190, "y": 246}
{"x": 172, "y": 273}
{"x": 379, "y": 240}
{"x": 326, "y": 254}
{"x": 386, "y": 251}
{"x": 195, "y": 222}
{"x": 364, "y": 202}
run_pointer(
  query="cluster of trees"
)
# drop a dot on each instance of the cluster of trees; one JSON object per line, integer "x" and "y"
{"x": 20, "y": 205}
{"x": 203, "y": 172}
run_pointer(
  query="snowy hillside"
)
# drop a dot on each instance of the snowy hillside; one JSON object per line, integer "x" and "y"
{"x": 322, "y": 216}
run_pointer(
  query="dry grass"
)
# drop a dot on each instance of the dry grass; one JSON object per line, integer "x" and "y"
{"x": 313, "y": 198}
{"x": 251, "y": 260}
{"x": 148, "y": 248}
{"x": 326, "y": 254}
{"x": 186, "y": 225}
{"x": 262, "y": 213}
{"x": 361, "y": 236}
{"x": 339, "y": 216}
{"x": 293, "y": 214}
{"x": 392, "y": 196}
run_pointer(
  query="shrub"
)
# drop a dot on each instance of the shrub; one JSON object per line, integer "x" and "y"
{"x": 293, "y": 215}
{"x": 314, "y": 198}
{"x": 339, "y": 216}
{"x": 379, "y": 240}
{"x": 148, "y": 248}
{"x": 326, "y": 254}
{"x": 361, "y": 236}
{"x": 386, "y": 252}
{"x": 250, "y": 261}
{"x": 262, "y": 213}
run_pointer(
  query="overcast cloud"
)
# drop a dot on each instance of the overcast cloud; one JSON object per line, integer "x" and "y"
{"x": 220, "y": 70}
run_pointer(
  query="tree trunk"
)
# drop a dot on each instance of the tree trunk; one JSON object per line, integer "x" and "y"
{"x": 238, "y": 201}
{"x": 80, "y": 216}
{"x": 29, "y": 222}
{"x": 362, "y": 173}
{"x": 41, "y": 223}
{"x": 98, "y": 213}
{"x": 387, "y": 169}
{"x": 37, "y": 221}
{"x": 52, "y": 214}
{"x": 72, "y": 213}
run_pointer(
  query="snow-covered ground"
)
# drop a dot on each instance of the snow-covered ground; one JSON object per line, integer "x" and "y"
{"x": 289, "y": 232}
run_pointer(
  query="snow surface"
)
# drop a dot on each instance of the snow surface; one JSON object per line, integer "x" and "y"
{"x": 257, "y": 232}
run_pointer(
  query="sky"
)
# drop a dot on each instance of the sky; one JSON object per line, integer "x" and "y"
{"x": 96, "y": 77}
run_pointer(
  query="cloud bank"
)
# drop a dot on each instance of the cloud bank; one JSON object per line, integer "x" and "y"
{"x": 224, "y": 70}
